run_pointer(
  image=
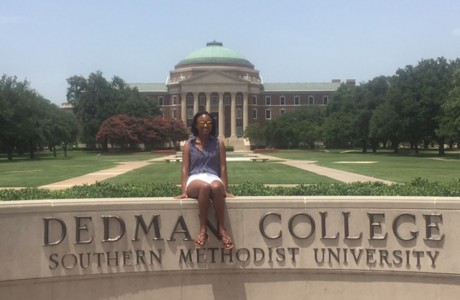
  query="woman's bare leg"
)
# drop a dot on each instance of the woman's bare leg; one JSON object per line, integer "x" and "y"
{"x": 202, "y": 191}
{"x": 218, "y": 198}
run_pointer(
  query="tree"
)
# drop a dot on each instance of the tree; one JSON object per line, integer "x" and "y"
{"x": 123, "y": 131}
{"x": 95, "y": 100}
{"x": 450, "y": 121}
{"x": 385, "y": 125}
{"x": 298, "y": 128}
{"x": 177, "y": 132}
{"x": 24, "y": 113}
{"x": 434, "y": 81}
{"x": 62, "y": 129}
{"x": 308, "y": 133}
{"x": 340, "y": 128}
{"x": 350, "y": 112}
{"x": 118, "y": 131}
{"x": 255, "y": 133}
{"x": 29, "y": 121}
{"x": 418, "y": 94}
{"x": 370, "y": 96}
{"x": 11, "y": 93}
{"x": 307, "y": 122}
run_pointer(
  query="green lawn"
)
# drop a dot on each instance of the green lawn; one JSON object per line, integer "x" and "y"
{"x": 238, "y": 172}
{"x": 45, "y": 169}
{"x": 402, "y": 167}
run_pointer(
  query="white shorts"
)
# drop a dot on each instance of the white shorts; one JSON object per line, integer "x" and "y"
{"x": 208, "y": 178}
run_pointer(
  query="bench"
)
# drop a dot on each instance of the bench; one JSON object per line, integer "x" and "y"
{"x": 254, "y": 159}
{"x": 177, "y": 159}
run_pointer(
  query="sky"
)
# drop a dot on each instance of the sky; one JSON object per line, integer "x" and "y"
{"x": 47, "y": 41}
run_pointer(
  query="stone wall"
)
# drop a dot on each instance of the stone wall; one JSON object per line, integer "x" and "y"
{"x": 286, "y": 248}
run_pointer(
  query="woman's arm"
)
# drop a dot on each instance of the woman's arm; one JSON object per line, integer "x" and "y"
{"x": 185, "y": 170}
{"x": 223, "y": 168}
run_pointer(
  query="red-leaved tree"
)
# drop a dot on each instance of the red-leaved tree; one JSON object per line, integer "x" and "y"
{"x": 122, "y": 131}
{"x": 177, "y": 131}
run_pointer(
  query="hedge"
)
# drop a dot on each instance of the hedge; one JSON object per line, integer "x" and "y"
{"x": 418, "y": 187}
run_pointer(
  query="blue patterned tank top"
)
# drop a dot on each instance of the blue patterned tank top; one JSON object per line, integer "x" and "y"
{"x": 206, "y": 161}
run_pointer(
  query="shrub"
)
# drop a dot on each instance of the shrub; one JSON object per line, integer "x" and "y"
{"x": 418, "y": 187}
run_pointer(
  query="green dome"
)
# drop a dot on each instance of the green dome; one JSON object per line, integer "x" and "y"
{"x": 214, "y": 53}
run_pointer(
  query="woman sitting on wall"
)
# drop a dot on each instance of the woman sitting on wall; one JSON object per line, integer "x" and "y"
{"x": 204, "y": 176}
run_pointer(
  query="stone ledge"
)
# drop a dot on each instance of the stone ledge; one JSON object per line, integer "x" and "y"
{"x": 94, "y": 242}
{"x": 409, "y": 202}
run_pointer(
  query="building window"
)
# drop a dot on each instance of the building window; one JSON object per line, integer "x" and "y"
{"x": 254, "y": 100}
{"x": 202, "y": 99}
{"x": 239, "y": 113}
{"x": 239, "y": 99}
{"x": 162, "y": 112}
{"x": 226, "y": 99}
{"x": 268, "y": 100}
{"x": 282, "y": 100}
{"x": 189, "y": 113}
{"x": 268, "y": 114}
{"x": 296, "y": 100}
{"x": 161, "y": 101}
{"x": 239, "y": 131}
{"x": 254, "y": 114}
{"x": 189, "y": 100}
{"x": 311, "y": 100}
{"x": 174, "y": 100}
{"x": 325, "y": 100}
{"x": 214, "y": 101}
{"x": 282, "y": 110}
{"x": 174, "y": 113}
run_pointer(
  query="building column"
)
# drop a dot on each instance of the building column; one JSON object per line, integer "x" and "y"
{"x": 208, "y": 102}
{"x": 233, "y": 114}
{"x": 245, "y": 111}
{"x": 183, "y": 108}
{"x": 195, "y": 103}
{"x": 221, "y": 117}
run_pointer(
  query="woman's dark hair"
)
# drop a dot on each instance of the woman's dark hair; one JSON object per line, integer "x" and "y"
{"x": 195, "y": 118}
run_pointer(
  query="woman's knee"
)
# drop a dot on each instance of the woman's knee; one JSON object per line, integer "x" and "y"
{"x": 196, "y": 188}
{"x": 217, "y": 187}
{"x": 206, "y": 188}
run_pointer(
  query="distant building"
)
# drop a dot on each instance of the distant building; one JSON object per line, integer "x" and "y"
{"x": 219, "y": 80}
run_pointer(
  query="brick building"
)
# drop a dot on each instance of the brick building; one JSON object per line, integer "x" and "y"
{"x": 219, "y": 80}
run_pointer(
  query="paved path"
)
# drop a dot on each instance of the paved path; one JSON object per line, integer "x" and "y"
{"x": 124, "y": 167}
{"x": 339, "y": 175}
{"x": 99, "y": 176}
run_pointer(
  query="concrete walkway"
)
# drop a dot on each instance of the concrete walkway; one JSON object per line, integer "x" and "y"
{"x": 124, "y": 167}
{"x": 339, "y": 175}
{"x": 99, "y": 176}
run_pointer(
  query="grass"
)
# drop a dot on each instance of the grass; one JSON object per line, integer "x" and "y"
{"x": 238, "y": 172}
{"x": 271, "y": 173}
{"x": 45, "y": 169}
{"x": 403, "y": 167}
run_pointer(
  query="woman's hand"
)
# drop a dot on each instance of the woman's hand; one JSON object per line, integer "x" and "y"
{"x": 182, "y": 196}
{"x": 229, "y": 195}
